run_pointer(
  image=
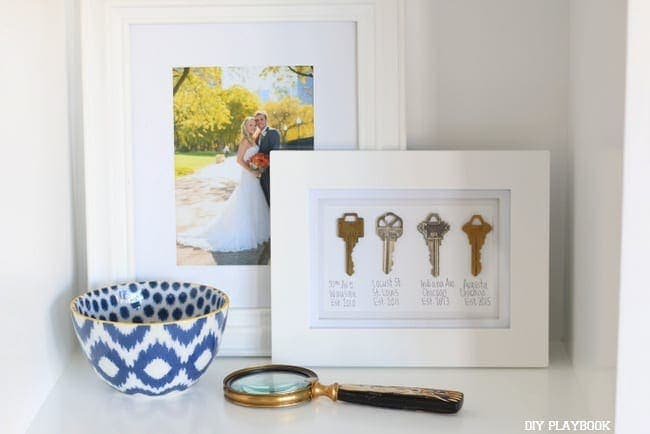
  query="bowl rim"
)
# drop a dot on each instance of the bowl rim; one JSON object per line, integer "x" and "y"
{"x": 73, "y": 307}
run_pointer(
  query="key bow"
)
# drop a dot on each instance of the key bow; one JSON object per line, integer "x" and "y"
{"x": 389, "y": 225}
{"x": 433, "y": 227}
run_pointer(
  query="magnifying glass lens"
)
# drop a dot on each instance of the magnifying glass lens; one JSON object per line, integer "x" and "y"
{"x": 264, "y": 383}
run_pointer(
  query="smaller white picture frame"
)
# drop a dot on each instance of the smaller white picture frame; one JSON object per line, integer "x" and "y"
{"x": 300, "y": 178}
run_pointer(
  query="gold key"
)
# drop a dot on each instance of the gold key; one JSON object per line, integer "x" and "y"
{"x": 476, "y": 234}
{"x": 433, "y": 229}
{"x": 389, "y": 228}
{"x": 350, "y": 228}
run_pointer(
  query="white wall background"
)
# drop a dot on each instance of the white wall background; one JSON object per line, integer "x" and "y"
{"x": 37, "y": 266}
{"x": 634, "y": 356}
{"x": 597, "y": 97}
{"x": 494, "y": 75}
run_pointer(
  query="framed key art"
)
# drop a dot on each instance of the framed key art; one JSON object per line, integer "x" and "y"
{"x": 422, "y": 258}
{"x": 409, "y": 258}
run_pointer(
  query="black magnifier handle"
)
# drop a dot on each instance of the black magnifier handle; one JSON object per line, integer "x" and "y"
{"x": 404, "y": 398}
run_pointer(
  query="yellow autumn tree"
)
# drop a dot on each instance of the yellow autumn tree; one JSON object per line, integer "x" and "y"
{"x": 199, "y": 112}
{"x": 240, "y": 102}
{"x": 293, "y": 119}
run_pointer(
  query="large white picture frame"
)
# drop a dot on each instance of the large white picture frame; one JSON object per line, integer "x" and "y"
{"x": 521, "y": 341}
{"x": 108, "y": 191}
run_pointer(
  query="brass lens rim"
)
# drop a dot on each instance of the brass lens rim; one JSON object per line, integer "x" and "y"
{"x": 271, "y": 399}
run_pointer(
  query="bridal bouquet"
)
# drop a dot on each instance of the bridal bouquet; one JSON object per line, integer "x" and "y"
{"x": 259, "y": 161}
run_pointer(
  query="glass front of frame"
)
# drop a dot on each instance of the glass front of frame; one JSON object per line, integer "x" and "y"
{"x": 463, "y": 289}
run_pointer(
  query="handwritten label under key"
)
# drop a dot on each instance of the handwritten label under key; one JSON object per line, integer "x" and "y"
{"x": 342, "y": 294}
{"x": 434, "y": 292}
{"x": 385, "y": 292}
{"x": 475, "y": 293}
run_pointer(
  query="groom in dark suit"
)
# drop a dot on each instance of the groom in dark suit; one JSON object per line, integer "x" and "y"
{"x": 268, "y": 140}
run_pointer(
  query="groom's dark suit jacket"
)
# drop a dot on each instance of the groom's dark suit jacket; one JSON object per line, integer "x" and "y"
{"x": 268, "y": 142}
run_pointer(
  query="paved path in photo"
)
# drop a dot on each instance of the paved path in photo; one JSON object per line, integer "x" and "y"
{"x": 200, "y": 197}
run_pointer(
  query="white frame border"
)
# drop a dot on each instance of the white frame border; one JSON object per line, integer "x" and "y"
{"x": 523, "y": 344}
{"x": 107, "y": 150}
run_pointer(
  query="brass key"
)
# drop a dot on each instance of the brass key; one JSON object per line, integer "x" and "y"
{"x": 389, "y": 228}
{"x": 433, "y": 229}
{"x": 476, "y": 234}
{"x": 350, "y": 228}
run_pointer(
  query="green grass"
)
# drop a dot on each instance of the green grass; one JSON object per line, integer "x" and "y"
{"x": 186, "y": 163}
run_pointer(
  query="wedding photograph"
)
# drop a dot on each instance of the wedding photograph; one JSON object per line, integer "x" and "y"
{"x": 227, "y": 120}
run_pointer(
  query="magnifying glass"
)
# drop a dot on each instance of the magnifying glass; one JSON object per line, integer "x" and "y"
{"x": 285, "y": 385}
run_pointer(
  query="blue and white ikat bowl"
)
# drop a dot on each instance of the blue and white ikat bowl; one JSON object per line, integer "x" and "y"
{"x": 153, "y": 337}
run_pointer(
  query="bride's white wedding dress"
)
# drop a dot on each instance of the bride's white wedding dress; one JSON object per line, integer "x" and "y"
{"x": 243, "y": 223}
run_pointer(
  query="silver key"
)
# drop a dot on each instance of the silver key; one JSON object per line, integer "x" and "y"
{"x": 389, "y": 228}
{"x": 433, "y": 229}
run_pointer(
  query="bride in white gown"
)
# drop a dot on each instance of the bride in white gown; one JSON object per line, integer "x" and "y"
{"x": 244, "y": 222}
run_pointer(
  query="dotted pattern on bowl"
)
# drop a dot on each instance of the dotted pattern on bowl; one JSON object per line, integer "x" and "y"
{"x": 149, "y": 302}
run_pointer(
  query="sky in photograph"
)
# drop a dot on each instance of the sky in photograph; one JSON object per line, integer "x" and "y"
{"x": 249, "y": 77}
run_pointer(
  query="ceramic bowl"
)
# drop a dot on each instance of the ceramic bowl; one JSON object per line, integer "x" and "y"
{"x": 151, "y": 337}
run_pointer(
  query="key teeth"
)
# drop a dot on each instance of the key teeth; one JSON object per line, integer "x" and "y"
{"x": 349, "y": 269}
{"x": 390, "y": 266}
{"x": 386, "y": 267}
{"x": 477, "y": 268}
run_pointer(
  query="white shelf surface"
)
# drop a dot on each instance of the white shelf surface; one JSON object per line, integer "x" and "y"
{"x": 496, "y": 401}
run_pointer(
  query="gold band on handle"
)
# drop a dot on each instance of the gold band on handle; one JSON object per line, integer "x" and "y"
{"x": 331, "y": 391}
